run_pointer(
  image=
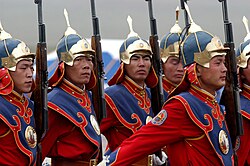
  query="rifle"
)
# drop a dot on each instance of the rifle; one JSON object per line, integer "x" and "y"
{"x": 158, "y": 99}
{"x": 40, "y": 93}
{"x": 98, "y": 91}
{"x": 185, "y": 12}
{"x": 157, "y": 92}
{"x": 230, "y": 96}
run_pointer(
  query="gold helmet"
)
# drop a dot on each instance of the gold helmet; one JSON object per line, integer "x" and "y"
{"x": 68, "y": 48}
{"x": 12, "y": 51}
{"x": 169, "y": 45}
{"x": 72, "y": 45}
{"x": 132, "y": 44}
{"x": 200, "y": 46}
{"x": 243, "y": 52}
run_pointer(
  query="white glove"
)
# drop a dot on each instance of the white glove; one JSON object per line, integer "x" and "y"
{"x": 158, "y": 161}
{"x": 104, "y": 161}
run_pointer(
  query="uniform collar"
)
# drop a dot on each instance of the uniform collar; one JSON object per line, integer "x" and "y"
{"x": 203, "y": 95}
{"x": 67, "y": 83}
{"x": 132, "y": 83}
{"x": 17, "y": 97}
{"x": 168, "y": 86}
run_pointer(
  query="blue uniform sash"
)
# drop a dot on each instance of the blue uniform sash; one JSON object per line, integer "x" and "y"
{"x": 18, "y": 123}
{"x": 131, "y": 110}
{"x": 245, "y": 101}
{"x": 210, "y": 121}
{"x": 245, "y": 106}
{"x": 78, "y": 109}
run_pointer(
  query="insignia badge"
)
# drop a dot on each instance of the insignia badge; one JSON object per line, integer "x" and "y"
{"x": 160, "y": 118}
{"x": 141, "y": 45}
{"x": 95, "y": 124}
{"x": 148, "y": 119}
{"x": 31, "y": 137}
{"x": 223, "y": 142}
{"x": 85, "y": 45}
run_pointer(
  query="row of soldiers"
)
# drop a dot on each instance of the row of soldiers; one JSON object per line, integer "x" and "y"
{"x": 190, "y": 129}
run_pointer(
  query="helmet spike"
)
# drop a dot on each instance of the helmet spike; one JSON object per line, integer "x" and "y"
{"x": 132, "y": 32}
{"x": 193, "y": 27}
{"x": 66, "y": 15}
{"x": 177, "y": 10}
{"x": 176, "y": 28}
{"x": 3, "y": 34}
{"x": 188, "y": 12}
{"x": 69, "y": 29}
{"x": 245, "y": 22}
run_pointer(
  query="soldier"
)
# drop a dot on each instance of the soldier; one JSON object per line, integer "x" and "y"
{"x": 128, "y": 98}
{"x": 17, "y": 134}
{"x": 191, "y": 124}
{"x": 243, "y": 55}
{"x": 171, "y": 62}
{"x": 73, "y": 137}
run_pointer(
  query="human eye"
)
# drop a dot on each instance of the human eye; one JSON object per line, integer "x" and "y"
{"x": 147, "y": 58}
{"x": 134, "y": 58}
{"x": 77, "y": 59}
{"x": 90, "y": 59}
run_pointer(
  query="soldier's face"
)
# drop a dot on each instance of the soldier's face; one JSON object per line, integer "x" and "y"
{"x": 22, "y": 77}
{"x": 173, "y": 69}
{"x": 139, "y": 67}
{"x": 214, "y": 77}
{"x": 245, "y": 75}
{"x": 79, "y": 74}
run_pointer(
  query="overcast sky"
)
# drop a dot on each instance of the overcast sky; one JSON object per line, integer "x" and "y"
{"x": 19, "y": 17}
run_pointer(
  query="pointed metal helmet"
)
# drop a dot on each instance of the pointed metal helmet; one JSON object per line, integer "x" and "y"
{"x": 12, "y": 51}
{"x": 132, "y": 44}
{"x": 200, "y": 46}
{"x": 243, "y": 51}
{"x": 72, "y": 45}
{"x": 169, "y": 45}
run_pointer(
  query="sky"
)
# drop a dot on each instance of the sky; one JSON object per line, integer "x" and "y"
{"x": 19, "y": 18}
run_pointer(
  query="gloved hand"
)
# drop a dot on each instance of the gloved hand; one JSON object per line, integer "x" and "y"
{"x": 104, "y": 161}
{"x": 158, "y": 161}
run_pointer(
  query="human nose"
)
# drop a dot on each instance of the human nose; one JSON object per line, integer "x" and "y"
{"x": 224, "y": 68}
{"x": 86, "y": 64}
{"x": 30, "y": 72}
{"x": 180, "y": 67}
{"x": 141, "y": 61}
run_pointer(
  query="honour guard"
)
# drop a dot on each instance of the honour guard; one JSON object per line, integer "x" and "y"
{"x": 73, "y": 137}
{"x": 18, "y": 139}
{"x": 243, "y": 55}
{"x": 171, "y": 62}
{"x": 191, "y": 124}
{"x": 128, "y": 98}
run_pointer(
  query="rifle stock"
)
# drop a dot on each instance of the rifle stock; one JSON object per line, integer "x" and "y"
{"x": 98, "y": 91}
{"x": 40, "y": 93}
{"x": 231, "y": 93}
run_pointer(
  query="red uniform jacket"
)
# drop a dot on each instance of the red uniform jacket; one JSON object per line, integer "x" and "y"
{"x": 186, "y": 142}
{"x": 71, "y": 133}
{"x": 244, "y": 145}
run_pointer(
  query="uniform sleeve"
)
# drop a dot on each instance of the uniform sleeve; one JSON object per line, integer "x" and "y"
{"x": 167, "y": 127}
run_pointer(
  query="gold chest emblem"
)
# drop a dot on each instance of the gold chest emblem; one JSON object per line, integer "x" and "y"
{"x": 223, "y": 142}
{"x": 31, "y": 137}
